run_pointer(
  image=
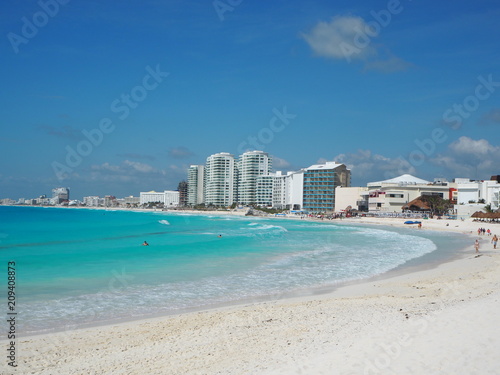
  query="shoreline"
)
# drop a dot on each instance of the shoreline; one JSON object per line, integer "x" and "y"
{"x": 291, "y": 294}
{"x": 334, "y": 333}
{"x": 263, "y": 336}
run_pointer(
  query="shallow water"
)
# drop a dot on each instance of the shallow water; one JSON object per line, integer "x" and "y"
{"x": 77, "y": 266}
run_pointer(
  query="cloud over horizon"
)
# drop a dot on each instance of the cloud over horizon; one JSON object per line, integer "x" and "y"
{"x": 180, "y": 152}
{"x": 367, "y": 166}
{"x": 351, "y": 38}
{"x": 470, "y": 158}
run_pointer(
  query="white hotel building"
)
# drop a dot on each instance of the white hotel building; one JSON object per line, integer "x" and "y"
{"x": 196, "y": 176}
{"x": 220, "y": 180}
{"x": 252, "y": 165}
{"x": 169, "y": 198}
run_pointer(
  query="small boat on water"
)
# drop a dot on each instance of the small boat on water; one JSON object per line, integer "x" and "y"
{"x": 413, "y": 222}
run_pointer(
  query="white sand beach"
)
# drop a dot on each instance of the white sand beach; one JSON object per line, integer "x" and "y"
{"x": 442, "y": 320}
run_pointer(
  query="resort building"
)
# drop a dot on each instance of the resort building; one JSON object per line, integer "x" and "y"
{"x": 195, "y": 185}
{"x": 320, "y": 181}
{"x": 182, "y": 188}
{"x": 220, "y": 180}
{"x": 251, "y": 165}
{"x": 295, "y": 190}
{"x": 471, "y": 196}
{"x": 168, "y": 198}
{"x": 351, "y": 198}
{"x": 60, "y": 195}
{"x": 264, "y": 190}
{"x": 91, "y": 201}
{"x": 391, "y": 195}
{"x": 280, "y": 190}
{"x": 132, "y": 201}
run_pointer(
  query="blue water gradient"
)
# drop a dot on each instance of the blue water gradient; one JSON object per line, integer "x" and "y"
{"x": 80, "y": 266}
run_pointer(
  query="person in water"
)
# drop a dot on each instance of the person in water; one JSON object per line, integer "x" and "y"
{"x": 145, "y": 244}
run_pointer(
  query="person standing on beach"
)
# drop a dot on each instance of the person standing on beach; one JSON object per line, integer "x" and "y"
{"x": 494, "y": 241}
{"x": 476, "y": 246}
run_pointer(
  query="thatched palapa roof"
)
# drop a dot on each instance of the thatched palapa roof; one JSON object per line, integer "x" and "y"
{"x": 417, "y": 205}
{"x": 484, "y": 215}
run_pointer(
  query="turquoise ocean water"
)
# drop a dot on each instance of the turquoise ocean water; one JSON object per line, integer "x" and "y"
{"x": 77, "y": 267}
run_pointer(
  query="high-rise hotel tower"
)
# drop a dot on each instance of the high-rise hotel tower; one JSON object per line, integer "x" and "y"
{"x": 251, "y": 165}
{"x": 220, "y": 180}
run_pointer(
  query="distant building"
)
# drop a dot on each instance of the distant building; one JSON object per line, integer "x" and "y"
{"x": 320, "y": 181}
{"x": 220, "y": 180}
{"x": 168, "y": 198}
{"x": 131, "y": 200}
{"x": 110, "y": 201}
{"x": 251, "y": 165}
{"x": 195, "y": 185}
{"x": 60, "y": 195}
{"x": 182, "y": 188}
{"x": 91, "y": 201}
{"x": 42, "y": 200}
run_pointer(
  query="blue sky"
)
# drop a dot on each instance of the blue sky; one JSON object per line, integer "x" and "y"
{"x": 384, "y": 87}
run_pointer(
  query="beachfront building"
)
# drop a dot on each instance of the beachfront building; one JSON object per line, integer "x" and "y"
{"x": 295, "y": 190}
{"x": 220, "y": 180}
{"x": 251, "y": 165}
{"x": 467, "y": 191}
{"x": 7, "y": 201}
{"x": 169, "y": 198}
{"x": 351, "y": 198}
{"x": 392, "y": 194}
{"x": 91, "y": 201}
{"x": 195, "y": 185}
{"x": 320, "y": 181}
{"x": 109, "y": 201}
{"x": 60, "y": 195}
{"x": 131, "y": 200}
{"x": 491, "y": 193}
{"x": 182, "y": 188}
{"x": 264, "y": 190}
{"x": 472, "y": 196}
{"x": 280, "y": 190}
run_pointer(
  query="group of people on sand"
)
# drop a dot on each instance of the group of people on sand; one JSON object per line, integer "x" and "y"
{"x": 482, "y": 231}
{"x": 494, "y": 241}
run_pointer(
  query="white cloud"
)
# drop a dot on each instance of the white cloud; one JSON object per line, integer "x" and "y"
{"x": 140, "y": 167}
{"x": 453, "y": 167}
{"x": 138, "y": 176}
{"x": 391, "y": 64}
{"x": 491, "y": 117}
{"x": 351, "y": 38}
{"x": 280, "y": 163}
{"x": 367, "y": 166}
{"x": 470, "y": 158}
{"x": 336, "y": 39}
{"x": 478, "y": 148}
{"x": 180, "y": 152}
